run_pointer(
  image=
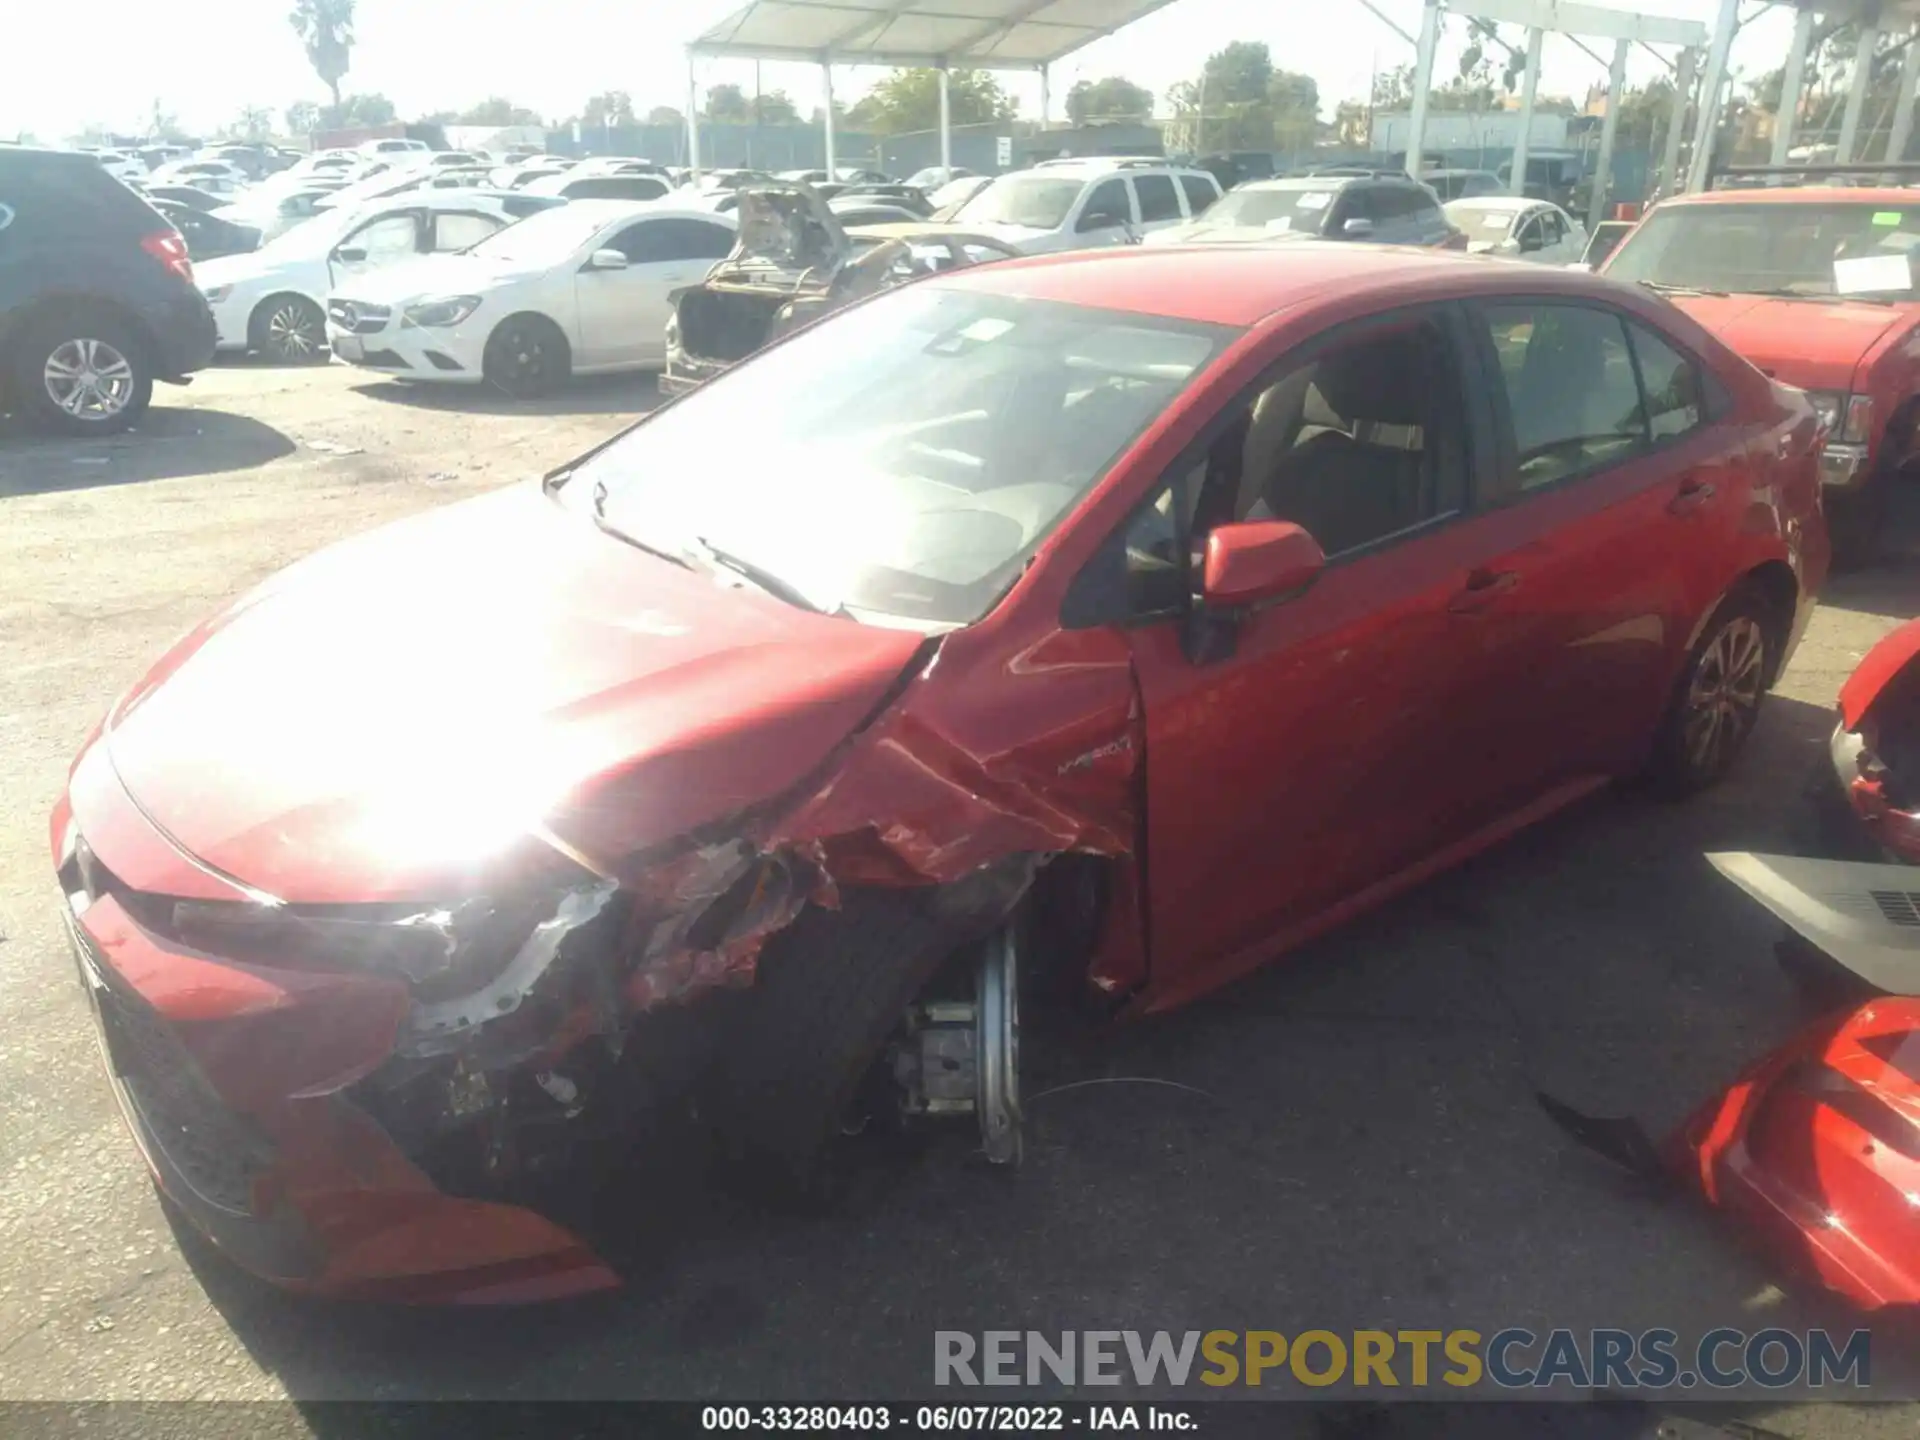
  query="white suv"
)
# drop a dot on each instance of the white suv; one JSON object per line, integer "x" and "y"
{"x": 1078, "y": 204}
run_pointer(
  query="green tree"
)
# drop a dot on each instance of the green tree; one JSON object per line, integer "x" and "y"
{"x": 1294, "y": 102}
{"x": 1114, "y": 98}
{"x": 497, "y": 111}
{"x": 325, "y": 27}
{"x": 164, "y": 126}
{"x": 775, "y": 107}
{"x": 665, "y": 115}
{"x": 909, "y": 100}
{"x": 302, "y": 117}
{"x": 1350, "y": 121}
{"x": 728, "y": 104}
{"x": 252, "y": 123}
{"x": 613, "y": 108}
{"x": 358, "y": 110}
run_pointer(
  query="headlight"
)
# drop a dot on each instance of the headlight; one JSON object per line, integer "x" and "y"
{"x": 437, "y": 314}
{"x": 1848, "y": 418}
{"x": 217, "y": 293}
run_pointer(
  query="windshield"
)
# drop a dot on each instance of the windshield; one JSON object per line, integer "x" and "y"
{"x": 1038, "y": 201}
{"x": 1304, "y": 208}
{"x": 1856, "y": 248}
{"x": 905, "y": 457}
{"x": 544, "y": 238}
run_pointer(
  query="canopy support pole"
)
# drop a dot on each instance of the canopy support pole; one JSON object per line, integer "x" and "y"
{"x": 946, "y": 124}
{"x": 1903, "y": 107}
{"x": 1857, "y": 92}
{"x": 826, "y": 83}
{"x": 1707, "y": 123}
{"x": 1046, "y": 96}
{"x": 1670, "y": 179}
{"x": 1792, "y": 79}
{"x": 1529, "y": 90}
{"x": 1609, "y": 127}
{"x": 1422, "y": 85}
{"x": 693, "y": 120}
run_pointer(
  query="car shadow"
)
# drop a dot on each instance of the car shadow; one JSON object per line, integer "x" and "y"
{"x": 166, "y": 443}
{"x": 628, "y": 394}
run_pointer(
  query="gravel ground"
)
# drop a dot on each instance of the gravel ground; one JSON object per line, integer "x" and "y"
{"x": 1367, "y": 1152}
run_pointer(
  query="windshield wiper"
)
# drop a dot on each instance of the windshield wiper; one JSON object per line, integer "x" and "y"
{"x": 757, "y": 575}
{"x": 607, "y": 527}
{"x": 1663, "y": 289}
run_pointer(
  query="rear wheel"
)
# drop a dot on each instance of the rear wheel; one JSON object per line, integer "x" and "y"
{"x": 289, "y": 330}
{"x": 1716, "y": 703}
{"x": 526, "y": 356}
{"x": 82, "y": 374}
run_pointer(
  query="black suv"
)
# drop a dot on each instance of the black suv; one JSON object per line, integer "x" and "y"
{"x": 97, "y": 299}
{"x": 1342, "y": 202}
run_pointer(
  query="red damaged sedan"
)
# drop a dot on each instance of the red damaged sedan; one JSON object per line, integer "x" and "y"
{"x": 1097, "y": 625}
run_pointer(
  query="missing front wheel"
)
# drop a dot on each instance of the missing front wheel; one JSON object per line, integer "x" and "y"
{"x": 962, "y": 1057}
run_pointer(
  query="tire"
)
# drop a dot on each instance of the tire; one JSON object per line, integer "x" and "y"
{"x": 828, "y": 992}
{"x": 82, "y": 372}
{"x": 526, "y": 357}
{"x": 1716, "y": 701}
{"x": 288, "y": 330}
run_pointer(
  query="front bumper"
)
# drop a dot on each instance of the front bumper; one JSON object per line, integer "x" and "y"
{"x": 375, "y": 338}
{"x": 235, "y": 1083}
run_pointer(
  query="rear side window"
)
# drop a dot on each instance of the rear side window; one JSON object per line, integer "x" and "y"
{"x": 63, "y": 200}
{"x": 616, "y": 187}
{"x": 455, "y": 230}
{"x": 1158, "y": 199}
{"x": 1573, "y": 397}
{"x": 1200, "y": 193}
{"x": 1671, "y": 382}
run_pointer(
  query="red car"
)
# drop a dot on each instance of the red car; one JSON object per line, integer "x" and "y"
{"x": 1100, "y": 624}
{"x": 1814, "y": 284}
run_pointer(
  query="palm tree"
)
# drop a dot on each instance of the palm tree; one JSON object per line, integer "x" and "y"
{"x": 325, "y": 27}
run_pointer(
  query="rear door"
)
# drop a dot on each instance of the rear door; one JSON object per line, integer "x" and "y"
{"x": 1158, "y": 201}
{"x": 1608, "y": 511}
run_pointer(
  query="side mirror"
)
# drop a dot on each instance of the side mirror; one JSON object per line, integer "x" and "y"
{"x": 352, "y": 255}
{"x": 1254, "y": 560}
{"x": 1358, "y": 228}
{"x": 607, "y": 260}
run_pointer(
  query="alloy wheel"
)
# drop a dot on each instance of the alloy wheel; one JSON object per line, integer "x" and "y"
{"x": 292, "y": 333}
{"x": 88, "y": 379}
{"x": 1723, "y": 699}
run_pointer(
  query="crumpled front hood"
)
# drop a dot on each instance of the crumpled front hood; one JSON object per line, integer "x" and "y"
{"x": 1815, "y": 344}
{"x": 382, "y": 718}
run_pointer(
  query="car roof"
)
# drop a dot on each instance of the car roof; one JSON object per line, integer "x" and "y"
{"x": 1509, "y": 203}
{"x": 1088, "y": 166}
{"x": 1884, "y": 196}
{"x": 1242, "y": 284}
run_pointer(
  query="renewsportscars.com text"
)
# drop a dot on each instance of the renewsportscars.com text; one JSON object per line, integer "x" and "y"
{"x": 1513, "y": 1359}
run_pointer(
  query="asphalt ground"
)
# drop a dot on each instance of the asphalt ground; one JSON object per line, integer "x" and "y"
{"x": 1351, "y": 1140}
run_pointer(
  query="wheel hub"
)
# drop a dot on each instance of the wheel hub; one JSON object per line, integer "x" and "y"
{"x": 962, "y": 1057}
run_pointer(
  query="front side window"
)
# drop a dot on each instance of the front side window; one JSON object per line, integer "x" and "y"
{"x": 904, "y": 458}
{"x": 668, "y": 240}
{"x": 1107, "y": 206}
{"x": 1570, "y": 389}
{"x": 1803, "y": 250}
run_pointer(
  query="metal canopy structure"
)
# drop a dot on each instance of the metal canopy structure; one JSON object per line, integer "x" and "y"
{"x": 932, "y": 34}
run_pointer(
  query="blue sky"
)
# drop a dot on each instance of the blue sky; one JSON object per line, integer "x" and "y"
{"x": 205, "y": 60}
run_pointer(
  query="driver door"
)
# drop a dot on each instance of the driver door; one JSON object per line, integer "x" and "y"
{"x": 1106, "y": 216}
{"x": 396, "y": 235}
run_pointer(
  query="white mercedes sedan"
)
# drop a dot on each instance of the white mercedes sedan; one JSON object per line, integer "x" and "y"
{"x": 579, "y": 290}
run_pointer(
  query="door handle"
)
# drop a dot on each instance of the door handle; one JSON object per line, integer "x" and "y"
{"x": 1483, "y": 588}
{"x": 1692, "y": 495}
